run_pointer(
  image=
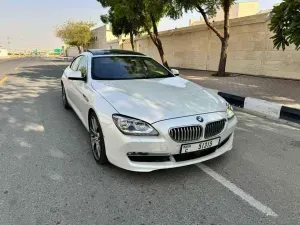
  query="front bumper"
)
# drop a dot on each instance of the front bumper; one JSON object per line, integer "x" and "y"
{"x": 162, "y": 151}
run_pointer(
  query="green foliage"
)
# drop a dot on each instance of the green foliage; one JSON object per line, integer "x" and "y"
{"x": 143, "y": 15}
{"x": 210, "y": 7}
{"x": 179, "y": 6}
{"x": 121, "y": 24}
{"x": 285, "y": 23}
{"x": 75, "y": 33}
{"x": 207, "y": 8}
{"x": 138, "y": 13}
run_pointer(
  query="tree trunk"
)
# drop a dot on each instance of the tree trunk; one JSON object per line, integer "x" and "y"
{"x": 162, "y": 53}
{"x": 158, "y": 43}
{"x": 131, "y": 40}
{"x": 224, "y": 41}
{"x": 79, "y": 49}
{"x": 223, "y": 59}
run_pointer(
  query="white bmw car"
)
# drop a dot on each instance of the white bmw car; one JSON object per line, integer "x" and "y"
{"x": 143, "y": 117}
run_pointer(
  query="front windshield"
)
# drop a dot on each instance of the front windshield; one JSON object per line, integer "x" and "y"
{"x": 127, "y": 67}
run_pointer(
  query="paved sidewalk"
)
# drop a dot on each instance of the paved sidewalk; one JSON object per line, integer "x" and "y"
{"x": 286, "y": 92}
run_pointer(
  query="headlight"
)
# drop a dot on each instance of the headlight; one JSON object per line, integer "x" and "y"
{"x": 229, "y": 111}
{"x": 131, "y": 126}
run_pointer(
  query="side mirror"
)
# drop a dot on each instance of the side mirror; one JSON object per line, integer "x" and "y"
{"x": 75, "y": 75}
{"x": 175, "y": 72}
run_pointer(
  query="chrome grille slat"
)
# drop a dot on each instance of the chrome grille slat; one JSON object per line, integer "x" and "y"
{"x": 214, "y": 128}
{"x": 174, "y": 133}
{"x": 185, "y": 134}
{"x": 198, "y": 134}
{"x": 180, "y": 134}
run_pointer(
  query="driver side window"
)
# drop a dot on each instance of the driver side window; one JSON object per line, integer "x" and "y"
{"x": 83, "y": 66}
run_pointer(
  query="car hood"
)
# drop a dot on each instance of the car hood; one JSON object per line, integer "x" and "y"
{"x": 153, "y": 100}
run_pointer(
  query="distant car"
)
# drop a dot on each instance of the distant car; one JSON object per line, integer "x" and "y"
{"x": 142, "y": 116}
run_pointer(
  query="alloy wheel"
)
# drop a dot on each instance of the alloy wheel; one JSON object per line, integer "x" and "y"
{"x": 95, "y": 138}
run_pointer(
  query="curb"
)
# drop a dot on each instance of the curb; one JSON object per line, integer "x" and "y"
{"x": 267, "y": 108}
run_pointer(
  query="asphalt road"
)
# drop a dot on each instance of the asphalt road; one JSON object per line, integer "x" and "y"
{"x": 48, "y": 174}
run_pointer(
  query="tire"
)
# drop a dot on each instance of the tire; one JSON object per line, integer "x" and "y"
{"x": 64, "y": 98}
{"x": 97, "y": 140}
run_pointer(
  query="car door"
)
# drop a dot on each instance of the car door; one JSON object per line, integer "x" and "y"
{"x": 69, "y": 85}
{"x": 82, "y": 89}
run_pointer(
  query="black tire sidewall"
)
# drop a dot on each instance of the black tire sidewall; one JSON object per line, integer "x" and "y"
{"x": 65, "y": 103}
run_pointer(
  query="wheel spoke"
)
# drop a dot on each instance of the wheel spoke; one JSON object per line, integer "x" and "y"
{"x": 94, "y": 133}
{"x": 95, "y": 137}
{"x": 94, "y": 124}
{"x": 98, "y": 149}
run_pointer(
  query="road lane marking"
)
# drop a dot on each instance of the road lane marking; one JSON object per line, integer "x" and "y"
{"x": 239, "y": 192}
{"x": 2, "y": 80}
{"x": 54, "y": 63}
{"x": 18, "y": 67}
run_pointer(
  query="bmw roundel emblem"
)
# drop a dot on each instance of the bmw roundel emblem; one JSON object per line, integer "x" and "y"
{"x": 199, "y": 118}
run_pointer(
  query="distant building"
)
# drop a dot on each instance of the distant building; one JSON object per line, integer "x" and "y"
{"x": 265, "y": 11}
{"x": 102, "y": 37}
{"x": 72, "y": 52}
{"x": 3, "y": 52}
{"x": 237, "y": 10}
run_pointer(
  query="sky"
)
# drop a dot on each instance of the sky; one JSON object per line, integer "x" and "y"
{"x": 30, "y": 24}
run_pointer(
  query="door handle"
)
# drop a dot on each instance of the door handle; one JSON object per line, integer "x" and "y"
{"x": 85, "y": 98}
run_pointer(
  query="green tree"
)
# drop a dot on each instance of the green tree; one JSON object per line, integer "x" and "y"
{"x": 147, "y": 13}
{"x": 151, "y": 12}
{"x": 121, "y": 24}
{"x": 75, "y": 34}
{"x": 285, "y": 23}
{"x": 208, "y": 8}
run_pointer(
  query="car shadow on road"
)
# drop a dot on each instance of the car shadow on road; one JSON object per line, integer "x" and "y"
{"x": 31, "y": 103}
{"x": 41, "y": 72}
{"x": 48, "y": 165}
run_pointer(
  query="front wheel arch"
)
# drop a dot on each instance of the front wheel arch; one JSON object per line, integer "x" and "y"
{"x": 90, "y": 112}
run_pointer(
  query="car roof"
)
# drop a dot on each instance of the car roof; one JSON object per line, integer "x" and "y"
{"x": 98, "y": 52}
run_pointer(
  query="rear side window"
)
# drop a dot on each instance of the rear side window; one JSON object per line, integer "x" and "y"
{"x": 75, "y": 63}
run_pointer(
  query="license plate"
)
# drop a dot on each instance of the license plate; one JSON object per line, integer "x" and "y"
{"x": 200, "y": 145}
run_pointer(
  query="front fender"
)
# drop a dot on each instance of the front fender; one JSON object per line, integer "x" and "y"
{"x": 104, "y": 111}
